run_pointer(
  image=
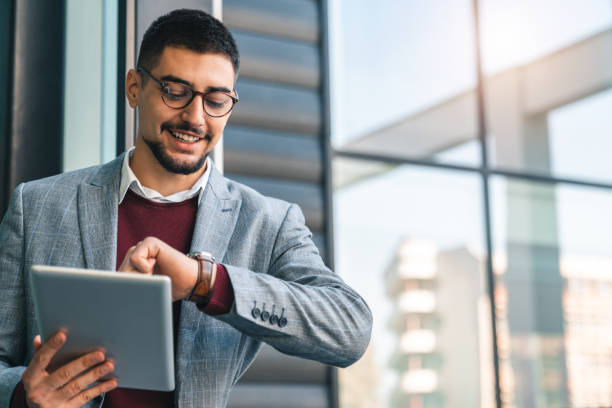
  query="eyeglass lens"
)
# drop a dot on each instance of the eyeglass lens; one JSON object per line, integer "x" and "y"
{"x": 178, "y": 96}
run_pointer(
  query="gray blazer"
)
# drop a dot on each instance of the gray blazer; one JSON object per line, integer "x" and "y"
{"x": 71, "y": 220}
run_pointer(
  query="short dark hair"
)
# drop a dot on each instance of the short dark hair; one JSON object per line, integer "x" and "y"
{"x": 191, "y": 29}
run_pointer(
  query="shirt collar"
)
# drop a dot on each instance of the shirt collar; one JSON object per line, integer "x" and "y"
{"x": 130, "y": 182}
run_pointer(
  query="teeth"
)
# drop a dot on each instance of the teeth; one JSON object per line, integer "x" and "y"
{"x": 185, "y": 137}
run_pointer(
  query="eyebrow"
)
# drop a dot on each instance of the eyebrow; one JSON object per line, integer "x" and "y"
{"x": 172, "y": 78}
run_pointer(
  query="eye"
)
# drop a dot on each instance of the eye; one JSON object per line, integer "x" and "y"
{"x": 217, "y": 100}
{"x": 176, "y": 92}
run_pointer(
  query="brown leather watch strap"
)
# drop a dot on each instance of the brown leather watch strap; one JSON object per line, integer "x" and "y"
{"x": 207, "y": 272}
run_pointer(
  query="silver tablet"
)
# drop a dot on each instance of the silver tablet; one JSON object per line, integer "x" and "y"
{"x": 129, "y": 315}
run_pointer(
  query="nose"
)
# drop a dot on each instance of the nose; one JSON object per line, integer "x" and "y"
{"x": 194, "y": 112}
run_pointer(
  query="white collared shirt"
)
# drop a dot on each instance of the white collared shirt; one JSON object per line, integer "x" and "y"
{"x": 129, "y": 181}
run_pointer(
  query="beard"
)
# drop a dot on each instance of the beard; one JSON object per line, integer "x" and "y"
{"x": 167, "y": 161}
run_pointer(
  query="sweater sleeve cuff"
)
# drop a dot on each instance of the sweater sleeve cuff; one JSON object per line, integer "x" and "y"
{"x": 18, "y": 400}
{"x": 223, "y": 296}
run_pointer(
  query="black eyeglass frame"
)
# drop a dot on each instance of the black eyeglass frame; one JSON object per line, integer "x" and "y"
{"x": 194, "y": 93}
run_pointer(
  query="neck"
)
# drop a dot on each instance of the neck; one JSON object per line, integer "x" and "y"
{"x": 151, "y": 174}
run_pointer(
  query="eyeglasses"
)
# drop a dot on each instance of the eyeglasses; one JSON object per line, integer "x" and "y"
{"x": 177, "y": 96}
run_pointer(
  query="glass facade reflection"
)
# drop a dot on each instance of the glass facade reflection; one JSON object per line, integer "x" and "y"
{"x": 547, "y": 86}
{"x": 580, "y": 138}
{"x": 392, "y": 93}
{"x": 529, "y": 292}
{"x": 421, "y": 271}
{"x": 553, "y": 294}
{"x": 411, "y": 230}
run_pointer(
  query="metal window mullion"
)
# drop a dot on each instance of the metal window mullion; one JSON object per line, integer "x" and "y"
{"x": 217, "y": 153}
{"x": 482, "y": 135}
{"x": 327, "y": 155}
{"x": 130, "y": 62}
{"x": 513, "y": 174}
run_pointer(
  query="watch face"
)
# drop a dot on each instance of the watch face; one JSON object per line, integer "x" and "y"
{"x": 204, "y": 255}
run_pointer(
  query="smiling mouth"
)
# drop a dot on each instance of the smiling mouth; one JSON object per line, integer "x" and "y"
{"x": 184, "y": 137}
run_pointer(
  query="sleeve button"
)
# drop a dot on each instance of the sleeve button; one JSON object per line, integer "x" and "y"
{"x": 265, "y": 315}
{"x": 282, "y": 322}
{"x": 255, "y": 312}
{"x": 273, "y": 319}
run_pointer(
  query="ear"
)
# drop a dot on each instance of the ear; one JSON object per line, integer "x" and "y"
{"x": 132, "y": 87}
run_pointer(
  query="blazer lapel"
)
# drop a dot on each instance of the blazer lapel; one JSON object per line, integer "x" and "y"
{"x": 97, "y": 213}
{"x": 216, "y": 218}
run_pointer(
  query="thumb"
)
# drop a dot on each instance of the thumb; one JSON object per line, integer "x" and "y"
{"x": 37, "y": 342}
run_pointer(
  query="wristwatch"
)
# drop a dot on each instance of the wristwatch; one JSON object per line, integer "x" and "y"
{"x": 207, "y": 272}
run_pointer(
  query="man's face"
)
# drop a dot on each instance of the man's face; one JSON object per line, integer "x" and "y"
{"x": 169, "y": 132}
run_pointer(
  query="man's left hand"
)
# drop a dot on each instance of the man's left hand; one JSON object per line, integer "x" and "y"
{"x": 153, "y": 256}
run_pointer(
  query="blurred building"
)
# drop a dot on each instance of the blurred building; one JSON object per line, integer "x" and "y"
{"x": 441, "y": 324}
{"x": 584, "y": 350}
{"x": 440, "y": 314}
{"x": 587, "y": 302}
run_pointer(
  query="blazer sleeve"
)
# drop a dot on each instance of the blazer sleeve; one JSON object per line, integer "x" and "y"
{"x": 300, "y": 307}
{"x": 12, "y": 298}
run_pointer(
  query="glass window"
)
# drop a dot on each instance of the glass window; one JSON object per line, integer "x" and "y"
{"x": 546, "y": 85}
{"x": 90, "y": 86}
{"x": 403, "y": 77}
{"x": 547, "y": 97}
{"x": 409, "y": 240}
{"x": 580, "y": 142}
{"x": 553, "y": 263}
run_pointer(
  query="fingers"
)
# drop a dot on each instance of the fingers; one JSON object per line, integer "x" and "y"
{"x": 84, "y": 396}
{"x": 66, "y": 373}
{"x": 76, "y": 388}
{"x": 69, "y": 383}
{"x": 153, "y": 256}
{"x": 141, "y": 257}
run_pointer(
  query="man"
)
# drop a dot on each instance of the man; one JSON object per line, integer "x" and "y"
{"x": 142, "y": 212}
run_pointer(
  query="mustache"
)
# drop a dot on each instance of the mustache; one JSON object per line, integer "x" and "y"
{"x": 186, "y": 126}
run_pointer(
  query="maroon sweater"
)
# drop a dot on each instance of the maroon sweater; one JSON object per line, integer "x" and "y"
{"x": 173, "y": 223}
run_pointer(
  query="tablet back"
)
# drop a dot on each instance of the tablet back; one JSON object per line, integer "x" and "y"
{"x": 128, "y": 315}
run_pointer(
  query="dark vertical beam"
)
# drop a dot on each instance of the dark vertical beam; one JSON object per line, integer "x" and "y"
{"x": 482, "y": 135}
{"x": 7, "y": 19}
{"x": 327, "y": 169}
{"x": 36, "y": 134}
{"x": 121, "y": 63}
